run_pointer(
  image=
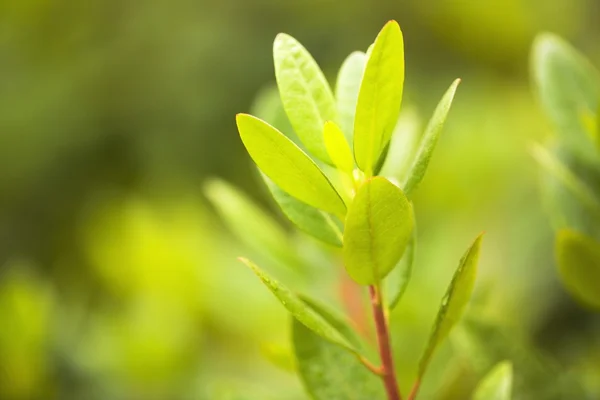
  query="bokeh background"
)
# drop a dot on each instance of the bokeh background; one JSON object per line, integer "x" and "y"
{"x": 119, "y": 281}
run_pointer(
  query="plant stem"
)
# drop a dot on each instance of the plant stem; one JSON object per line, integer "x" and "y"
{"x": 415, "y": 390}
{"x": 388, "y": 373}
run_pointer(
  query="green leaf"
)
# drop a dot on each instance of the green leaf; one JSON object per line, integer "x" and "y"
{"x": 429, "y": 140}
{"x": 337, "y": 147}
{"x": 346, "y": 91}
{"x": 397, "y": 281}
{"x": 316, "y": 223}
{"x": 328, "y": 371}
{"x": 307, "y": 98}
{"x": 378, "y": 227}
{"x": 287, "y": 165}
{"x": 578, "y": 258}
{"x": 379, "y": 97}
{"x": 403, "y": 145}
{"x": 497, "y": 384}
{"x": 570, "y": 180}
{"x": 242, "y": 215}
{"x": 299, "y": 310}
{"x": 454, "y": 302}
{"x": 567, "y": 86}
{"x": 279, "y": 355}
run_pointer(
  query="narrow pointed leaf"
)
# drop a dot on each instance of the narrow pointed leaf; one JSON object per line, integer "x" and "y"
{"x": 578, "y": 258}
{"x": 454, "y": 302}
{"x": 497, "y": 384}
{"x": 379, "y": 97}
{"x": 328, "y": 371}
{"x": 429, "y": 140}
{"x": 307, "y": 98}
{"x": 337, "y": 147}
{"x": 242, "y": 215}
{"x": 299, "y": 310}
{"x": 397, "y": 281}
{"x": 287, "y": 165}
{"x": 378, "y": 227}
{"x": 567, "y": 86}
{"x": 316, "y": 223}
{"x": 346, "y": 91}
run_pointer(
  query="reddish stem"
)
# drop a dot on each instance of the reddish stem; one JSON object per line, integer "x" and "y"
{"x": 385, "y": 350}
{"x": 415, "y": 390}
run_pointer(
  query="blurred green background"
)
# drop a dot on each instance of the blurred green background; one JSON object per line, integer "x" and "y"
{"x": 117, "y": 279}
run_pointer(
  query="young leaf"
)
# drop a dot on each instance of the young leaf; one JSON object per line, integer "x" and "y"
{"x": 346, "y": 91}
{"x": 429, "y": 140}
{"x": 454, "y": 302}
{"x": 397, "y": 280}
{"x": 303, "y": 313}
{"x": 316, "y": 223}
{"x": 288, "y": 166}
{"x": 378, "y": 227}
{"x": 328, "y": 371}
{"x": 242, "y": 215}
{"x": 403, "y": 145}
{"x": 337, "y": 147}
{"x": 379, "y": 97}
{"x": 497, "y": 384}
{"x": 567, "y": 85}
{"x": 578, "y": 258}
{"x": 305, "y": 93}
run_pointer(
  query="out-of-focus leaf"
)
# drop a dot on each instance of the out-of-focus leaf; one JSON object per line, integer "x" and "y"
{"x": 570, "y": 180}
{"x": 397, "y": 281}
{"x": 337, "y": 147}
{"x": 328, "y": 371}
{"x": 454, "y": 302}
{"x": 346, "y": 91}
{"x": 287, "y": 165}
{"x": 497, "y": 384}
{"x": 316, "y": 223}
{"x": 280, "y": 356}
{"x": 378, "y": 227}
{"x": 567, "y": 85}
{"x": 242, "y": 215}
{"x": 429, "y": 140}
{"x": 305, "y": 93}
{"x": 379, "y": 97}
{"x": 303, "y": 313}
{"x": 403, "y": 145}
{"x": 578, "y": 258}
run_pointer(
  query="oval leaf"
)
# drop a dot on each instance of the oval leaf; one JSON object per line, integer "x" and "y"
{"x": 429, "y": 140}
{"x": 497, "y": 384}
{"x": 567, "y": 86}
{"x": 346, "y": 91}
{"x": 378, "y": 227}
{"x": 307, "y": 98}
{"x": 337, "y": 147}
{"x": 316, "y": 223}
{"x": 303, "y": 313}
{"x": 328, "y": 371}
{"x": 578, "y": 258}
{"x": 454, "y": 302}
{"x": 287, "y": 165}
{"x": 380, "y": 97}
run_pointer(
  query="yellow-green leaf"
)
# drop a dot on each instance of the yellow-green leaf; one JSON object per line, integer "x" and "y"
{"x": 379, "y": 97}
{"x": 287, "y": 165}
{"x": 578, "y": 258}
{"x": 497, "y": 384}
{"x": 346, "y": 91}
{"x": 454, "y": 302}
{"x": 307, "y": 98}
{"x": 378, "y": 227}
{"x": 337, "y": 147}
{"x": 397, "y": 281}
{"x": 429, "y": 140}
{"x": 299, "y": 310}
